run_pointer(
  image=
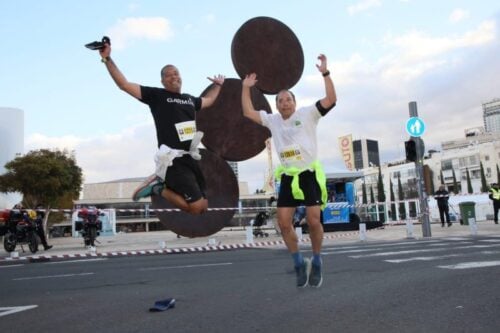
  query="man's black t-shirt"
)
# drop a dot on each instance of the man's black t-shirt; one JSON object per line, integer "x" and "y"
{"x": 174, "y": 116}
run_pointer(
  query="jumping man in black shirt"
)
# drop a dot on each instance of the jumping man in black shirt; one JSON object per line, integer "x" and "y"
{"x": 178, "y": 178}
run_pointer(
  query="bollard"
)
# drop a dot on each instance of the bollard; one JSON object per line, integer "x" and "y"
{"x": 298, "y": 232}
{"x": 409, "y": 229}
{"x": 362, "y": 232}
{"x": 212, "y": 242}
{"x": 162, "y": 244}
{"x": 14, "y": 254}
{"x": 249, "y": 234}
{"x": 472, "y": 226}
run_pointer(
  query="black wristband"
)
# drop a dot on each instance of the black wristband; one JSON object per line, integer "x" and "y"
{"x": 326, "y": 73}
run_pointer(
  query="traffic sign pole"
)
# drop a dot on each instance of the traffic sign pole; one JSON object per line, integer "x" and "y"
{"x": 419, "y": 170}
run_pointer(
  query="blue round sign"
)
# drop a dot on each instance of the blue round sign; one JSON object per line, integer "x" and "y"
{"x": 415, "y": 126}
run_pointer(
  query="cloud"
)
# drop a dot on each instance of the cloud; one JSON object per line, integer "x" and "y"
{"x": 121, "y": 155}
{"x": 209, "y": 18}
{"x": 130, "y": 29}
{"x": 458, "y": 15}
{"x": 415, "y": 53}
{"x": 363, "y": 6}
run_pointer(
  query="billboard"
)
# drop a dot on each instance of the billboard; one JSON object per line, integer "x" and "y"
{"x": 345, "y": 145}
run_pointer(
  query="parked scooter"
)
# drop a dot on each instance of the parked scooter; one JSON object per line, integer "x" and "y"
{"x": 89, "y": 226}
{"x": 19, "y": 228}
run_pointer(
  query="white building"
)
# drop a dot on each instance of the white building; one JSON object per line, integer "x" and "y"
{"x": 11, "y": 145}
{"x": 458, "y": 156}
{"x": 491, "y": 115}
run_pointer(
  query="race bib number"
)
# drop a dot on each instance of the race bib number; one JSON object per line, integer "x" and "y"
{"x": 291, "y": 154}
{"x": 186, "y": 130}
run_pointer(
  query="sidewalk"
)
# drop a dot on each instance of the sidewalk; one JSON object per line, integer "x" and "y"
{"x": 165, "y": 242}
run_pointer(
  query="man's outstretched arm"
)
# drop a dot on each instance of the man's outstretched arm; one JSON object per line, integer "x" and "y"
{"x": 246, "y": 99}
{"x": 121, "y": 81}
{"x": 329, "y": 101}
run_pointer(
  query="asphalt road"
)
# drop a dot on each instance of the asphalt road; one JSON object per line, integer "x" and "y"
{"x": 430, "y": 285}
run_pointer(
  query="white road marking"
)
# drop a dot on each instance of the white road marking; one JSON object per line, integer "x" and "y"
{"x": 397, "y": 261}
{"x": 342, "y": 248}
{"x": 473, "y": 264}
{"x": 16, "y": 265}
{"x": 382, "y": 254}
{"x": 184, "y": 266}
{"x": 73, "y": 261}
{"x": 13, "y": 309}
{"x": 50, "y": 276}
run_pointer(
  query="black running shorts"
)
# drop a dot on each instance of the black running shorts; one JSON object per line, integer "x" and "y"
{"x": 308, "y": 184}
{"x": 185, "y": 178}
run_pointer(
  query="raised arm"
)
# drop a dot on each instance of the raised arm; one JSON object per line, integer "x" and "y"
{"x": 330, "y": 99}
{"x": 212, "y": 94}
{"x": 246, "y": 98}
{"x": 130, "y": 88}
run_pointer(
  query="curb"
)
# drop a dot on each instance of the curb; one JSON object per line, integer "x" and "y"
{"x": 180, "y": 250}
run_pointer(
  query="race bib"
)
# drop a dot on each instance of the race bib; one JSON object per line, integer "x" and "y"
{"x": 186, "y": 130}
{"x": 291, "y": 154}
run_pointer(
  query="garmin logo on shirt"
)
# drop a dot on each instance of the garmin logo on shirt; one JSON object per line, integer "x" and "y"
{"x": 180, "y": 101}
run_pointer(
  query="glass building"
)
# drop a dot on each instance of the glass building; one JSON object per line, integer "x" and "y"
{"x": 366, "y": 153}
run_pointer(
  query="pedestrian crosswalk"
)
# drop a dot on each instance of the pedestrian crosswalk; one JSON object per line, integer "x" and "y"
{"x": 445, "y": 253}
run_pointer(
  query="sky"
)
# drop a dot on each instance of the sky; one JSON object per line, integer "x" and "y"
{"x": 382, "y": 54}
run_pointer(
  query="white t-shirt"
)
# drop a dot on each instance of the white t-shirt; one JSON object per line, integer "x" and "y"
{"x": 295, "y": 137}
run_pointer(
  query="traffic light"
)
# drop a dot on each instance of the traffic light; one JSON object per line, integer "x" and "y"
{"x": 411, "y": 151}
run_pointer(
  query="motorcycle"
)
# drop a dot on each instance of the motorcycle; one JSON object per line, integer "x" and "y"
{"x": 89, "y": 226}
{"x": 20, "y": 228}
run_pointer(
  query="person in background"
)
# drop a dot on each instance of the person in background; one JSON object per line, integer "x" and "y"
{"x": 40, "y": 215}
{"x": 494, "y": 195}
{"x": 442, "y": 197}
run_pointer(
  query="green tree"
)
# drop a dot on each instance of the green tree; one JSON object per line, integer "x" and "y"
{"x": 44, "y": 177}
{"x": 431, "y": 185}
{"x": 393, "y": 199}
{"x": 455, "y": 184}
{"x": 380, "y": 187}
{"x": 401, "y": 197}
{"x": 372, "y": 197}
{"x": 498, "y": 175}
{"x": 381, "y": 196}
{"x": 469, "y": 184}
{"x": 484, "y": 184}
{"x": 364, "y": 197}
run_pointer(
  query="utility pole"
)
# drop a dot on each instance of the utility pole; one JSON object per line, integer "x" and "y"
{"x": 419, "y": 170}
